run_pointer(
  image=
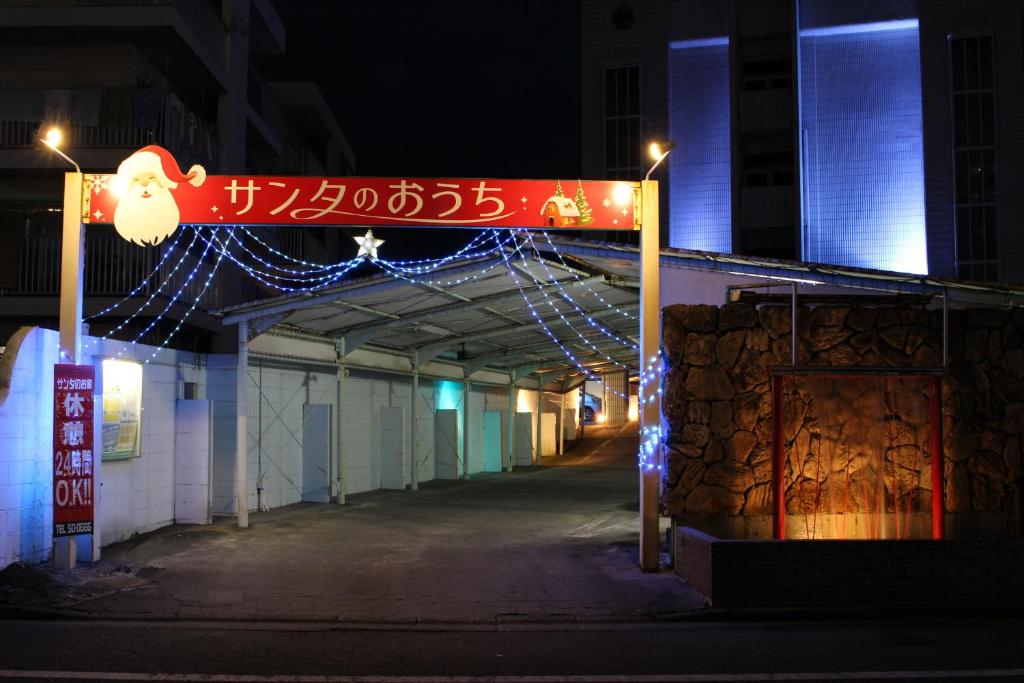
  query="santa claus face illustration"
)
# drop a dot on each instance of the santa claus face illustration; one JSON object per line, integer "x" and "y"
{"x": 147, "y": 212}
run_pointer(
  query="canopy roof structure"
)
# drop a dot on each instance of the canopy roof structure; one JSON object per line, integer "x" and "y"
{"x": 570, "y": 304}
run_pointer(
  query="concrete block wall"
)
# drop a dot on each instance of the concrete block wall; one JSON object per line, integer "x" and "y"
{"x": 922, "y": 573}
{"x": 26, "y": 457}
{"x": 134, "y": 495}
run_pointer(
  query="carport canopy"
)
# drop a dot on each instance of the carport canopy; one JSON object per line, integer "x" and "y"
{"x": 542, "y": 311}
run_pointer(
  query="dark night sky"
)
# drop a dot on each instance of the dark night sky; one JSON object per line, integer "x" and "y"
{"x": 484, "y": 89}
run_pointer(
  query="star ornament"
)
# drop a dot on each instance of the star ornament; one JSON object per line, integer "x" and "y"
{"x": 368, "y": 245}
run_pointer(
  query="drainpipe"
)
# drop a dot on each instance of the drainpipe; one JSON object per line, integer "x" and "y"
{"x": 414, "y": 465}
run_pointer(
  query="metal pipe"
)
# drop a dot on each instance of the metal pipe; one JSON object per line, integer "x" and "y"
{"x": 465, "y": 428}
{"x": 938, "y": 488}
{"x": 414, "y": 464}
{"x": 510, "y": 428}
{"x": 241, "y": 433}
{"x": 539, "y": 422}
{"x": 945, "y": 328}
{"x": 339, "y": 415}
{"x": 792, "y": 319}
{"x": 778, "y": 462}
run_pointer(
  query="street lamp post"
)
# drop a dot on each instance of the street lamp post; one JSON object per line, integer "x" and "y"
{"x": 650, "y": 345}
{"x": 72, "y": 268}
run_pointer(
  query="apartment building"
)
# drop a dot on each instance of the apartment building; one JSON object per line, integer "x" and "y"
{"x": 885, "y": 134}
{"x": 117, "y": 75}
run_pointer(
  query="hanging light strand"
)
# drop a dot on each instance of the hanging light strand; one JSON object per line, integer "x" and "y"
{"x": 551, "y": 304}
{"x": 142, "y": 283}
{"x": 561, "y": 260}
{"x": 196, "y": 300}
{"x": 568, "y": 297}
{"x": 184, "y": 256}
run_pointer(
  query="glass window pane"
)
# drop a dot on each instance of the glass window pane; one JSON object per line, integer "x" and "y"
{"x": 971, "y": 53}
{"x": 991, "y": 238}
{"x": 960, "y": 120}
{"x": 634, "y": 90}
{"x": 963, "y": 234}
{"x": 988, "y": 171}
{"x": 609, "y": 92}
{"x": 622, "y": 143}
{"x": 974, "y": 119}
{"x": 634, "y": 142}
{"x": 988, "y": 119}
{"x": 621, "y": 86}
{"x": 962, "y": 178}
{"x": 985, "y": 61}
{"x": 609, "y": 144}
{"x": 957, "y": 60}
{"x": 977, "y": 232}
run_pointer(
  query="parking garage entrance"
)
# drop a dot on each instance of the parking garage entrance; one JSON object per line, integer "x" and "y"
{"x": 494, "y": 349}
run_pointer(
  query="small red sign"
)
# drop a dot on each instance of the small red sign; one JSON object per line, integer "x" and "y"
{"x": 73, "y": 456}
{"x": 408, "y": 202}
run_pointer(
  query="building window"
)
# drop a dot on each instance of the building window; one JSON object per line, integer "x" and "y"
{"x": 974, "y": 162}
{"x": 622, "y": 143}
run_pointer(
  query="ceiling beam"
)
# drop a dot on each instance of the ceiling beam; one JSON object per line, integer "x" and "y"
{"x": 358, "y": 335}
{"x": 447, "y": 343}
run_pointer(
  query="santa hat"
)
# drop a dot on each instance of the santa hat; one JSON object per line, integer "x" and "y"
{"x": 157, "y": 160}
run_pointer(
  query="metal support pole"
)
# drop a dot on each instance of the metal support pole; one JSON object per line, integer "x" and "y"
{"x": 414, "y": 481}
{"x": 72, "y": 267}
{"x": 511, "y": 426}
{"x": 538, "y": 422}
{"x": 241, "y": 435}
{"x": 465, "y": 428}
{"x": 561, "y": 426}
{"x": 650, "y": 343}
{"x": 792, "y": 320}
{"x": 938, "y": 488}
{"x": 339, "y": 472}
{"x": 778, "y": 463}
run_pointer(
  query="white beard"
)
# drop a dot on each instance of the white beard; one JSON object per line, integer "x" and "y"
{"x": 146, "y": 220}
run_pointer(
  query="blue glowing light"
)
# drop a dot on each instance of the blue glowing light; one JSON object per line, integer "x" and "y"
{"x": 700, "y": 168}
{"x": 863, "y": 173}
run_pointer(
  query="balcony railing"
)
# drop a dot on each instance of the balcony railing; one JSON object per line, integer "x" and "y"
{"x": 130, "y": 118}
{"x": 198, "y": 15}
{"x": 115, "y": 268}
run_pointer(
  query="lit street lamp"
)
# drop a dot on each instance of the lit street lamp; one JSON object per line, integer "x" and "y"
{"x": 650, "y": 345}
{"x": 72, "y": 267}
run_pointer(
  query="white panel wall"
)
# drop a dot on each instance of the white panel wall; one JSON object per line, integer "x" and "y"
{"x": 192, "y": 462}
{"x": 26, "y": 458}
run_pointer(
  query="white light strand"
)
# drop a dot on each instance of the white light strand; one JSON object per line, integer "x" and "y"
{"x": 265, "y": 278}
{"x": 554, "y": 307}
{"x": 184, "y": 256}
{"x": 540, "y": 321}
{"x": 142, "y": 283}
{"x": 195, "y": 302}
{"x": 593, "y": 323}
{"x": 561, "y": 260}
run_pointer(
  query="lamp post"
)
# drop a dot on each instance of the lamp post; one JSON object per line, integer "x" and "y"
{"x": 72, "y": 266}
{"x": 650, "y": 345}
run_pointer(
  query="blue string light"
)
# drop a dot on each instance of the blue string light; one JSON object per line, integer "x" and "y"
{"x": 579, "y": 279}
{"x": 184, "y": 255}
{"x": 593, "y": 323}
{"x": 144, "y": 281}
{"x": 195, "y": 302}
{"x": 554, "y": 307}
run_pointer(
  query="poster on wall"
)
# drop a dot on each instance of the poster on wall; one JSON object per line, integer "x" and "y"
{"x": 73, "y": 391}
{"x": 122, "y": 409}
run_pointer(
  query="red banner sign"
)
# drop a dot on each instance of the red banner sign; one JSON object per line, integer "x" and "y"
{"x": 73, "y": 457}
{"x": 408, "y": 202}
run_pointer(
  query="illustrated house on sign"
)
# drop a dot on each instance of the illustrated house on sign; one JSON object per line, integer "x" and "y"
{"x": 560, "y": 212}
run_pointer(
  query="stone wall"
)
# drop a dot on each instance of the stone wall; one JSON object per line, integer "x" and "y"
{"x": 717, "y": 406}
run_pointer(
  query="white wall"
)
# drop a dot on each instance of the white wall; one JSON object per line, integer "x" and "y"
{"x": 134, "y": 495}
{"x": 26, "y": 451}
